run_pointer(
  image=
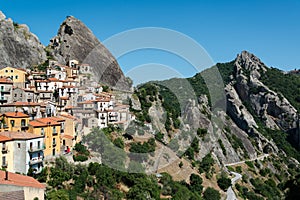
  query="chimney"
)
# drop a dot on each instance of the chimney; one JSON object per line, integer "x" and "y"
{"x": 6, "y": 175}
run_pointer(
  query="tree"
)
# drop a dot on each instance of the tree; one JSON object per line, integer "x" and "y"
{"x": 211, "y": 194}
{"x": 196, "y": 183}
{"x": 224, "y": 183}
{"x": 58, "y": 195}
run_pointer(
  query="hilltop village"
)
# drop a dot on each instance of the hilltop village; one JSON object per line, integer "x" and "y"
{"x": 45, "y": 113}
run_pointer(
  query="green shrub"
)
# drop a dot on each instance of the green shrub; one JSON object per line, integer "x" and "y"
{"x": 80, "y": 158}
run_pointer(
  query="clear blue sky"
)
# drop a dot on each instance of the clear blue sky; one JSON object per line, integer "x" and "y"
{"x": 268, "y": 28}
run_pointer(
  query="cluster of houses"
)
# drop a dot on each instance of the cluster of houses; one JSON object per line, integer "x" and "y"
{"x": 44, "y": 113}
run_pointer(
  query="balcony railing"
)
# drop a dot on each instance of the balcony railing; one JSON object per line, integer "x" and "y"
{"x": 36, "y": 160}
{"x": 35, "y": 149}
{"x": 4, "y": 164}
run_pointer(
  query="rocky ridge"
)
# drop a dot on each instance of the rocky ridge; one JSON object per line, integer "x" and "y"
{"x": 76, "y": 41}
{"x": 18, "y": 46}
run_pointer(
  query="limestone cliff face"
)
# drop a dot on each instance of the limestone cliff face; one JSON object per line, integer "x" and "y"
{"x": 18, "y": 46}
{"x": 75, "y": 41}
{"x": 274, "y": 109}
{"x": 233, "y": 134}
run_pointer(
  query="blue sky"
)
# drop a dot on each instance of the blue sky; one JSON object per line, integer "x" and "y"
{"x": 269, "y": 29}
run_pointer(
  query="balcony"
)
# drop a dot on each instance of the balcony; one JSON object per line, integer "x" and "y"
{"x": 36, "y": 160}
{"x": 4, "y": 150}
{"x": 4, "y": 164}
{"x": 35, "y": 149}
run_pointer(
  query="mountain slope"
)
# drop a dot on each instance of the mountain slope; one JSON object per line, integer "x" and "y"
{"x": 76, "y": 41}
{"x": 19, "y": 47}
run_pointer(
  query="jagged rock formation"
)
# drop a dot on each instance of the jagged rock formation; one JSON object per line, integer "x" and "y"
{"x": 75, "y": 41}
{"x": 18, "y": 46}
{"x": 235, "y": 133}
{"x": 273, "y": 108}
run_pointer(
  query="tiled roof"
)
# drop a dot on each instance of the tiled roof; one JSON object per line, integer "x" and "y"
{"x": 15, "y": 114}
{"x": 15, "y": 195}
{"x": 64, "y": 98}
{"x": 4, "y": 138}
{"x": 68, "y": 137}
{"x": 37, "y": 124}
{"x": 19, "y": 135}
{"x": 49, "y": 121}
{"x": 5, "y": 80}
{"x": 21, "y": 103}
{"x": 19, "y": 180}
{"x": 58, "y": 119}
{"x": 68, "y": 116}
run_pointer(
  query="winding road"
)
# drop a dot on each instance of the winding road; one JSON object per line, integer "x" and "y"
{"x": 230, "y": 193}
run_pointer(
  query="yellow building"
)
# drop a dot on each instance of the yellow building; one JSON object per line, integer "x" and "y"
{"x": 6, "y": 153}
{"x": 70, "y": 137}
{"x": 18, "y": 76}
{"x": 51, "y": 129}
{"x": 14, "y": 121}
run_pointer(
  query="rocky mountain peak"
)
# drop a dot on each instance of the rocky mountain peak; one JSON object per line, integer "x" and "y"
{"x": 19, "y": 47}
{"x": 75, "y": 40}
{"x": 249, "y": 62}
{"x": 2, "y": 16}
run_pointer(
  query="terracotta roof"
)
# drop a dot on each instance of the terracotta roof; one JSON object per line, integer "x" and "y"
{"x": 58, "y": 119}
{"x": 21, "y": 103}
{"x": 19, "y": 135}
{"x": 53, "y": 80}
{"x": 68, "y": 116}
{"x": 4, "y": 138}
{"x": 37, "y": 124}
{"x": 19, "y": 180}
{"x": 86, "y": 102}
{"x": 15, "y": 114}
{"x": 48, "y": 121}
{"x": 68, "y": 137}
{"x": 15, "y": 195}
{"x": 5, "y": 80}
{"x": 64, "y": 98}
{"x": 42, "y": 122}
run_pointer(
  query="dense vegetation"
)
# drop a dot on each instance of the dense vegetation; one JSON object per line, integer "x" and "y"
{"x": 68, "y": 181}
{"x": 285, "y": 83}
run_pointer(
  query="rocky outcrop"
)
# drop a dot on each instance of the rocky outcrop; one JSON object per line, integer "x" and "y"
{"x": 273, "y": 108}
{"x": 75, "y": 41}
{"x": 18, "y": 46}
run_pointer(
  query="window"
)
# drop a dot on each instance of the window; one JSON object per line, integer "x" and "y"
{"x": 53, "y": 141}
{"x": 16, "y": 77}
{"x": 19, "y": 145}
{"x": 6, "y": 71}
{"x": 11, "y": 71}
{"x": 42, "y": 131}
{"x": 2, "y": 87}
{"x": 15, "y": 95}
{"x": 3, "y": 161}
{"x": 39, "y": 144}
{"x": 23, "y": 122}
{"x": 54, "y": 129}
{"x": 12, "y": 122}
